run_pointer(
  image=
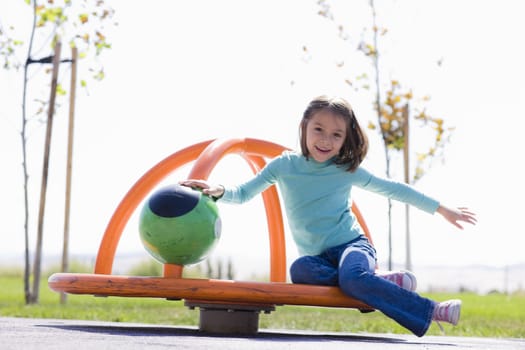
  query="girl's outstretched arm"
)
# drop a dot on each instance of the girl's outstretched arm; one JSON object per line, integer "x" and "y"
{"x": 211, "y": 190}
{"x": 453, "y": 215}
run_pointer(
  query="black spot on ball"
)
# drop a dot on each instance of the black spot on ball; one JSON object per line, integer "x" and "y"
{"x": 172, "y": 201}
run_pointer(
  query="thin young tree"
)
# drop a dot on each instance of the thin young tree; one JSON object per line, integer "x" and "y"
{"x": 80, "y": 24}
{"x": 394, "y": 106}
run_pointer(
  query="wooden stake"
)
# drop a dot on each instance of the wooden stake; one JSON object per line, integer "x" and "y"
{"x": 69, "y": 166}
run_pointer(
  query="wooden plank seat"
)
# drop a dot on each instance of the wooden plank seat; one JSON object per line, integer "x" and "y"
{"x": 219, "y": 291}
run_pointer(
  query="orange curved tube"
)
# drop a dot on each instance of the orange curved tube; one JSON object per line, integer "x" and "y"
{"x": 362, "y": 222}
{"x": 130, "y": 202}
{"x": 274, "y": 219}
{"x": 206, "y": 160}
{"x": 212, "y": 154}
{"x": 254, "y": 150}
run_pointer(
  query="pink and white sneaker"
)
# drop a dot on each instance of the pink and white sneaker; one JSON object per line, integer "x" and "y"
{"x": 405, "y": 279}
{"x": 447, "y": 311}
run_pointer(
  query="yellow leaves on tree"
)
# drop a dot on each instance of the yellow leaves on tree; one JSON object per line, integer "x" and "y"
{"x": 49, "y": 15}
{"x": 81, "y": 28}
{"x": 392, "y": 121}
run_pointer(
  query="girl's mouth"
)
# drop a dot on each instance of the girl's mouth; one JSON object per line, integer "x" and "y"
{"x": 322, "y": 150}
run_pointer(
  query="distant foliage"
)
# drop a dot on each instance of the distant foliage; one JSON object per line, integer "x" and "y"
{"x": 148, "y": 267}
{"x": 216, "y": 269}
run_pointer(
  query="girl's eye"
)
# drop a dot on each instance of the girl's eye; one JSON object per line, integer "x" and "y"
{"x": 318, "y": 129}
{"x": 338, "y": 136}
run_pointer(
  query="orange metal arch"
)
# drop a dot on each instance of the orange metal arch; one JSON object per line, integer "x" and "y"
{"x": 139, "y": 191}
{"x": 274, "y": 219}
{"x": 206, "y": 155}
{"x": 252, "y": 151}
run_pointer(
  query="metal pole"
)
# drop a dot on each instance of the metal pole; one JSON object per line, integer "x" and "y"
{"x": 406, "y": 156}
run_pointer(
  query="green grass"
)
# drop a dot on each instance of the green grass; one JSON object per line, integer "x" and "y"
{"x": 494, "y": 315}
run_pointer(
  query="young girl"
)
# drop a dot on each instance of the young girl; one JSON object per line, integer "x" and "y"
{"x": 316, "y": 186}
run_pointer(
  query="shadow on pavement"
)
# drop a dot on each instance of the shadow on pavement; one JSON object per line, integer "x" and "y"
{"x": 290, "y": 336}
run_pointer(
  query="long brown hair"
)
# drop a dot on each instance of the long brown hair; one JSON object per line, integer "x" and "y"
{"x": 355, "y": 145}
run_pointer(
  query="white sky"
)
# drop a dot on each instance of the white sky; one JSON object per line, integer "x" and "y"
{"x": 181, "y": 72}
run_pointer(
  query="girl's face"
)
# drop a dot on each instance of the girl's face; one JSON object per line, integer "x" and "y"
{"x": 325, "y": 135}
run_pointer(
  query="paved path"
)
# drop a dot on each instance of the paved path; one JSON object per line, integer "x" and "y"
{"x": 43, "y": 334}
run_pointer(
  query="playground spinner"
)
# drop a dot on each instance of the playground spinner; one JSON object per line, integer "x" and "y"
{"x": 226, "y": 306}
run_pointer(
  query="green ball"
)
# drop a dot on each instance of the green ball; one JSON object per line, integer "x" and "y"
{"x": 179, "y": 225}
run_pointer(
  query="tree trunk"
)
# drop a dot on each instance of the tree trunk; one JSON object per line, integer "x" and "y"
{"x": 45, "y": 171}
{"x": 378, "y": 109}
{"x": 27, "y": 264}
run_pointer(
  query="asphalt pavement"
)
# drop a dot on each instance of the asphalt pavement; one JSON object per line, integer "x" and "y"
{"x": 43, "y": 334}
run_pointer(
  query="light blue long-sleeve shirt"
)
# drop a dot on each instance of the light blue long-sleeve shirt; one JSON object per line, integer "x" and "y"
{"x": 317, "y": 198}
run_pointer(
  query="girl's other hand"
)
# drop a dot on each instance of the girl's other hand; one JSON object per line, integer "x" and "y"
{"x": 453, "y": 215}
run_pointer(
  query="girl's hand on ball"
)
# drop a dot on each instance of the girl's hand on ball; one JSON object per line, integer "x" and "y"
{"x": 210, "y": 190}
{"x": 195, "y": 183}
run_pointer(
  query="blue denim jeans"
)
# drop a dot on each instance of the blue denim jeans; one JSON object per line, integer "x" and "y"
{"x": 351, "y": 266}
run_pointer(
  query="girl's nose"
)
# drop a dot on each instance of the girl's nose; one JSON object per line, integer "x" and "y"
{"x": 325, "y": 140}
